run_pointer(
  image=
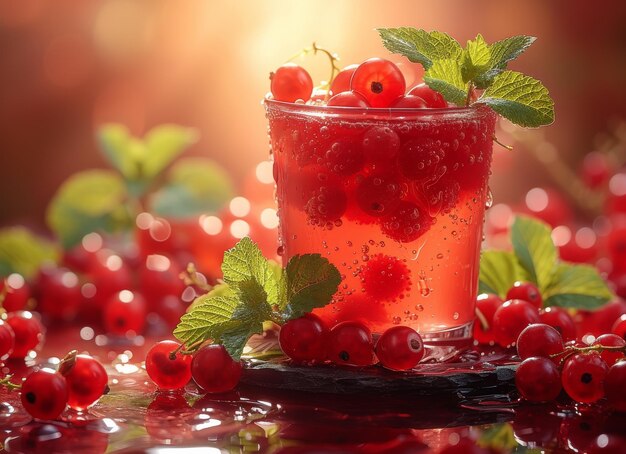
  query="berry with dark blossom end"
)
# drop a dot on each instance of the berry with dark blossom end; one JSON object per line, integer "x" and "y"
{"x": 400, "y": 348}
{"x": 351, "y": 343}
{"x": 44, "y": 394}
{"x": 379, "y": 81}
{"x": 213, "y": 369}
{"x": 124, "y": 312}
{"x": 538, "y": 380}
{"x": 168, "y": 372}
{"x": 583, "y": 377}
{"x": 525, "y": 291}
{"x": 559, "y": 319}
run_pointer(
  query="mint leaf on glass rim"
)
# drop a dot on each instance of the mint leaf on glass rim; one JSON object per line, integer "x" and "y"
{"x": 476, "y": 58}
{"x": 445, "y": 77}
{"x": 420, "y": 46}
{"x": 502, "y": 52}
{"x": 520, "y": 99}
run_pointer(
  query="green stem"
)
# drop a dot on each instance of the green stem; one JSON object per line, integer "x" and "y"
{"x": 334, "y": 67}
{"x": 6, "y": 382}
{"x": 470, "y": 87}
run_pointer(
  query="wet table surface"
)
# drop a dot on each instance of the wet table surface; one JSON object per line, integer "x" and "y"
{"x": 279, "y": 408}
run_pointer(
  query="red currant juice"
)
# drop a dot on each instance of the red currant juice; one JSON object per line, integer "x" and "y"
{"x": 395, "y": 199}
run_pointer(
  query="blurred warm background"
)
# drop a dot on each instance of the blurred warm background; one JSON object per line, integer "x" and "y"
{"x": 68, "y": 66}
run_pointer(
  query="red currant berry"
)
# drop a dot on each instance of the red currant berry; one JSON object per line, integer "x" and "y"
{"x": 601, "y": 320}
{"x": 7, "y": 340}
{"x": 463, "y": 446}
{"x": 385, "y": 277}
{"x": 86, "y": 380}
{"x": 304, "y": 339}
{"x": 406, "y": 223}
{"x": 351, "y": 343}
{"x": 59, "y": 294}
{"x": 327, "y": 205}
{"x": 344, "y": 158}
{"x": 400, "y": 348}
{"x": 486, "y": 306}
{"x": 525, "y": 291}
{"x": 619, "y": 327}
{"x": 432, "y": 98}
{"x": 378, "y": 194}
{"x": 158, "y": 277}
{"x": 559, "y": 319}
{"x": 44, "y": 394}
{"x": 17, "y": 292}
{"x": 348, "y": 99}
{"x": 125, "y": 311}
{"x": 614, "y": 386}
{"x": 538, "y": 379}
{"x": 611, "y": 340}
{"x": 214, "y": 370}
{"x": 291, "y": 82}
{"x": 511, "y": 318}
{"x": 379, "y": 81}
{"x": 409, "y": 102}
{"x": 166, "y": 372}
{"x": 420, "y": 158}
{"x": 539, "y": 339}
{"x": 341, "y": 82}
{"x": 380, "y": 144}
{"x": 596, "y": 169}
{"x": 28, "y": 330}
{"x": 583, "y": 377}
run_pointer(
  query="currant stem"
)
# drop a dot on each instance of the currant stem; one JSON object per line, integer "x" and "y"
{"x": 334, "y": 67}
{"x": 6, "y": 382}
{"x": 484, "y": 324}
{"x": 470, "y": 88}
{"x": 190, "y": 277}
{"x": 508, "y": 147}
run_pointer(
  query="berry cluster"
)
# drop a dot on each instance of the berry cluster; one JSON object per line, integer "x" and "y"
{"x": 308, "y": 340}
{"x": 78, "y": 384}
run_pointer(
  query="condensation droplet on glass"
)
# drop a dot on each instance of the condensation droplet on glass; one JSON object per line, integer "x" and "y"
{"x": 455, "y": 316}
{"x": 419, "y": 307}
{"x": 349, "y": 243}
{"x": 413, "y": 317}
{"x": 365, "y": 249}
{"x": 365, "y": 258}
{"x": 489, "y": 199}
{"x": 396, "y": 320}
{"x": 372, "y": 242}
{"x": 440, "y": 255}
{"x": 280, "y": 250}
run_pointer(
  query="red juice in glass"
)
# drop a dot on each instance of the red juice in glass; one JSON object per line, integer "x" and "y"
{"x": 395, "y": 199}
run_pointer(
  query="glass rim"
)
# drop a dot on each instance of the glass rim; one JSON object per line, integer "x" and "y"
{"x": 379, "y": 113}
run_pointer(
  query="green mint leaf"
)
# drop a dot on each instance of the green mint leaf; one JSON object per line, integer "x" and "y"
{"x": 498, "y": 271}
{"x": 193, "y": 186}
{"x": 245, "y": 262}
{"x": 23, "y": 252}
{"x": 88, "y": 201}
{"x": 476, "y": 57}
{"x": 501, "y": 53}
{"x": 577, "y": 286}
{"x": 519, "y": 98}
{"x": 209, "y": 318}
{"x": 420, "y": 46}
{"x": 120, "y": 148}
{"x": 445, "y": 76}
{"x": 310, "y": 282}
{"x": 533, "y": 246}
{"x": 163, "y": 144}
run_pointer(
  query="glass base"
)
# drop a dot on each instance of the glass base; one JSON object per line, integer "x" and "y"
{"x": 447, "y": 345}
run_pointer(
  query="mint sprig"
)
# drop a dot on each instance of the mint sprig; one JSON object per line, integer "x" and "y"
{"x": 456, "y": 72}
{"x": 534, "y": 259}
{"x": 256, "y": 291}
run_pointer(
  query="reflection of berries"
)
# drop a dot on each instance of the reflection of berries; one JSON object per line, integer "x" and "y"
{"x": 432, "y": 98}
{"x": 511, "y": 318}
{"x": 7, "y": 340}
{"x": 419, "y": 158}
{"x": 379, "y": 194}
{"x": 213, "y": 369}
{"x": 341, "y": 82}
{"x": 326, "y": 205}
{"x": 379, "y": 81}
{"x": 44, "y": 394}
{"x": 344, "y": 157}
{"x": 407, "y": 222}
{"x": 86, "y": 380}
{"x": 525, "y": 291}
{"x": 538, "y": 379}
{"x": 539, "y": 339}
{"x": 165, "y": 372}
{"x": 291, "y": 82}
{"x": 559, "y": 319}
{"x": 351, "y": 343}
{"x": 486, "y": 306}
{"x": 348, "y": 99}
{"x": 385, "y": 277}
{"x": 304, "y": 339}
{"x": 28, "y": 332}
{"x": 400, "y": 348}
{"x": 583, "y": 377}
{"x": 380, "y": 144}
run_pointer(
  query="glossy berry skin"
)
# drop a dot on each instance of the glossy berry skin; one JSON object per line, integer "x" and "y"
{"x": 124, "y": 312}
{"x": 214, "y": 370}
{"x": 341, "y": 82}
{"x": 525, "y": 291}
{"x": 380, "y": 144}
{"x": 583, "y": 377}
{"x": 7, "y": 340}
{"x": 304, "y": 339}
{"x": 44, "y": 394}
{"x": 614, "y": 386}
{"x": 17, "y": 293}
{"x": 28, "y": 331}
{"x": 610, "y": 340}
{"x": 539, "y": 339}
{"x": 559, "y": 319}
{"x": 379, "y": 81}
{"x": 385, "y": 277}
{"x": 538, "y": 379}
{"x": 348, "y": 99}
{"x": 167, "y": 373}
{"x": 432, "y": 98}
{"x": 59, "y": 296}
{"x": 511, "y": 318}
{"x": 486, "y": 306}
{"x": 350, "y": 343}
{"x": 291, "y": 82}
{"x": 619, "y": 327}
{"x": 409, "y": 102}
{"x": 400, "y": 348}
{"x": 86, "y": 381}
